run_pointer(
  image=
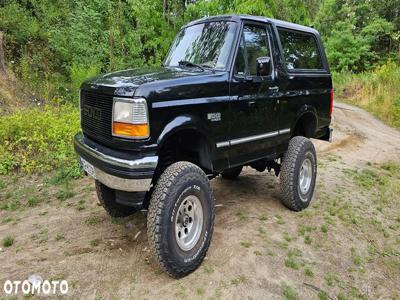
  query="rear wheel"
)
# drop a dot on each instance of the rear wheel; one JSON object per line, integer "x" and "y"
{"x": 232, "y": 174}
{"x": 107, "y": 198}
{"x": 298, "y": 173}
{"x": 181, "y": 218}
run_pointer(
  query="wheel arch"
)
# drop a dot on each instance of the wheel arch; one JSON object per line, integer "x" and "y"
{"x": 187, "y": 136}
{"x": 306, "y": 123}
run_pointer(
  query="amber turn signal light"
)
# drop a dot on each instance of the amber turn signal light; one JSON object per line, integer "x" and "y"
{"x": 130, "y": 130}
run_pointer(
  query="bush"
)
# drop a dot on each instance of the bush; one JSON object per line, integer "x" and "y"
{"x": 377, "y": 91}
{"x": 38, "y": 140}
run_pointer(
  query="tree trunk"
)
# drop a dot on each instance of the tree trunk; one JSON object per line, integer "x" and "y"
{"x": 2, "y": 62}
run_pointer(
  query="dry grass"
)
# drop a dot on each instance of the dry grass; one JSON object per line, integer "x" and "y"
{"x": 377, "y": 91}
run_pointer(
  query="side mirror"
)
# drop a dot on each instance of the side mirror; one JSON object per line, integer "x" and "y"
{"x": 264, "y": 66}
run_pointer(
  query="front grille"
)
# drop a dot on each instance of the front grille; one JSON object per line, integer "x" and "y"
{"x": 96, "y": 115}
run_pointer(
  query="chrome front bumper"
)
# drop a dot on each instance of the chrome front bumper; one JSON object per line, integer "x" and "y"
{"x": 115, "y": 169}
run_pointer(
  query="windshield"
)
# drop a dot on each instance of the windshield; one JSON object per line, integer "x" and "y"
{"x": 207, "y": 45}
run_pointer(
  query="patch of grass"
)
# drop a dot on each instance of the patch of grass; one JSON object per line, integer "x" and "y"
{"x": 80, "y": 205}
{"x": 94, "y": 242}
{"x": 239, "y": 280}
{"x": 324, "y": 228}
{"x": 322, "y": 295}
{"x": 302, "y": 230}
{"x": 64, "y": 175}
{"x": 307, "y": 240}
{"x": 279, "y": 220}
{"x": 376, "y": 91}
{"x": 330, "y": 279}
{"x": 287, "y": 237}
{"x": 263, "y": 217}
{"x": 8, "y": 241}
{"x": 242, "y": 216}
{"x": 257, "y": 253}
{"x": 208, "y": 269}
{"x": 341, "y": 296}
{"x": 92, "y": 220}
{"x": 289, "y": 293}
{"x": 59, "y": 237}
{"x": 6, "y": 220}
{"x": 308, "y": 272}
{"x": 2, "y": 184}
{"x": 200, "y": 291}
{"x": 357, "y": 259}
{"x": 65, "y": 192}
{"x": 246, "y": 244}
{"x": 116, "y": 221}
{"x": 33, "y": 201}
{"x": 290, "y": 262}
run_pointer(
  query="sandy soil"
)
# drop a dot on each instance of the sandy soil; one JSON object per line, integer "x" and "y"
{"x": 259, "y": 248}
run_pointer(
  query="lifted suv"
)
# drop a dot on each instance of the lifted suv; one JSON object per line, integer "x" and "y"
{"x": 233, "y": 91}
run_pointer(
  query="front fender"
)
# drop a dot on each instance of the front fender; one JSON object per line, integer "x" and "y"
{"x": 180, "y": 123}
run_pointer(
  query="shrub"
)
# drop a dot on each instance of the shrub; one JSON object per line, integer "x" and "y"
{"x": 38, "y": 140}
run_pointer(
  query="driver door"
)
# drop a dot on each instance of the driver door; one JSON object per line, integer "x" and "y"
{"x": 253, "y": 123}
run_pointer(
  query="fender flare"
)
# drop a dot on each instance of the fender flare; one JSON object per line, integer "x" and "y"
{"x": 305, "y": 109}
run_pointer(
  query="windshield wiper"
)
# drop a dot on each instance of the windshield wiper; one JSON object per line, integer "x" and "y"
{"x": 189, "y": 64}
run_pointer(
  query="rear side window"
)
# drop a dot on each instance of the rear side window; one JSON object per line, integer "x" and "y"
{"x": 300, "y": 50}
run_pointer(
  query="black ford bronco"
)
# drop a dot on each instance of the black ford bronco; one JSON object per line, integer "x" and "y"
{"x": 233, "y": 91}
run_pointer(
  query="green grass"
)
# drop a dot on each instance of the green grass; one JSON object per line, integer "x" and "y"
{"x": 92, "y": 220}
{"x": 308, "y": 272}
{"x": 8, "y": 241}
{"x": 246, "y": 244}
{"x": 94, "y": 242}
{"x": 377, "y": 91}
{"x": 289, "y": 293}
{"x": 38, "y": 140}
{"x": 208, "y": 269}
{"x": 239, "y": 280}
{"x": 33, "y": 201}
{"x": 322, "y": 295}
{"x": 59, "y": 237}
{"x": 290, "y": 262}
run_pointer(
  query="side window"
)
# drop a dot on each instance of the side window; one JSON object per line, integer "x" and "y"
{"x": 240, "y": 65}
{"x": 256, "y": 46}
{"x": 300, "y": 50}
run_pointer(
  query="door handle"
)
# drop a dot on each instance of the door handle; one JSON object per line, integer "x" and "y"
{"x": 274, "y": 88}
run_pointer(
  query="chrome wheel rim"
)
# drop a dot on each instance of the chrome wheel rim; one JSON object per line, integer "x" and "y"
{"x": 189, "y": 223}
{"x": 305, "y": 177}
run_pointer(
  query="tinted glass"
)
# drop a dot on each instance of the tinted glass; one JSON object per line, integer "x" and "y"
{"x": 256, "y": 46}
{"x": 208, "y": 44}
{"x": 240, "y": 65}
{"x": 300, "y": 50}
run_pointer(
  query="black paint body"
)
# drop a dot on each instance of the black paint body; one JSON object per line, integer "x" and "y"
{"x": 182, "y": 97}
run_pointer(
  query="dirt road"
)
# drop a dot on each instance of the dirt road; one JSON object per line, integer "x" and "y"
{"x": 346, "y": 245}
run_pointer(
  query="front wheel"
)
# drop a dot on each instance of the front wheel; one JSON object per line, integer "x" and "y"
{"x": 298, "y": 173}
{"x": 181, "y": 218}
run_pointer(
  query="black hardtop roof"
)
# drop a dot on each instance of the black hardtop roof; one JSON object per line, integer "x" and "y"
{"x": 276, "y": 22}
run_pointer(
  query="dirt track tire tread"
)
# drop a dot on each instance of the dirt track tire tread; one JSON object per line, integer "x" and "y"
{"x": 299, "y": 146}
{"x": 165, "y": 190}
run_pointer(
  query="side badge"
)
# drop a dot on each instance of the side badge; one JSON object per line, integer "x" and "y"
{"x": 214, "y": 117}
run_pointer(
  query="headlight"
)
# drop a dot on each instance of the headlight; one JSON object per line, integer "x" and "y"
{"x": 130, "y": 118}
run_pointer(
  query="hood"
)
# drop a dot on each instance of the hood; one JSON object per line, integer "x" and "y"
{"x": 125, "y": 83}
